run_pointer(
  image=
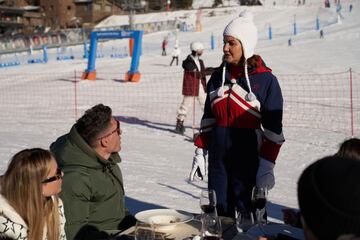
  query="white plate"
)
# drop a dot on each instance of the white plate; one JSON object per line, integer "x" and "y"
{"x": 164, "y": 219}
{"x": 273, "y": 229}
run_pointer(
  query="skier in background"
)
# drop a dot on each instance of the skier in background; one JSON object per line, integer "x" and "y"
{"x": 163, "y": 46}
{"x": 175, "y": 55}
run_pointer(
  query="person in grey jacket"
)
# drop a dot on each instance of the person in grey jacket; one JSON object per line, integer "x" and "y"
{"x": 93, "y": 189}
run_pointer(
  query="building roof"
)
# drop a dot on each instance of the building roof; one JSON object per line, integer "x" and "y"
{"x": 82, "y": 1}
{"x": 11, "y": 10}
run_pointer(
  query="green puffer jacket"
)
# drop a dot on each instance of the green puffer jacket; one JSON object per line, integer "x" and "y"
{"x": 92, "y": 190}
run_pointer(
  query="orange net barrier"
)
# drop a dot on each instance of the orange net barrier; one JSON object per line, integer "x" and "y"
{"x": 326, "y": 101}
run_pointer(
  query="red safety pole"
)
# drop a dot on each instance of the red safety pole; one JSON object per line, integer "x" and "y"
{"x": 351, "y": 104}
{"x": 75, "y": 95}
{"x": 193, "y": 123}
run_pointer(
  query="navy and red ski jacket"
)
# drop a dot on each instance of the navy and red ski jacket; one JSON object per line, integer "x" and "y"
{"x": 263, "y": 115}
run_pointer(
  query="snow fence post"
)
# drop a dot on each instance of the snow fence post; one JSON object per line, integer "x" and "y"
{"x": 86, "y": 52}
{"x": 317, "y": 23}
{"x": 45, "y": 54}
{"x": 212, "y": 41}
{"x": 270, "y": 32}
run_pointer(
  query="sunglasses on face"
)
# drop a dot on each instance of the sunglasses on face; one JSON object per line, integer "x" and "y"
{"x": 57, "y": 176}
{"x": 117, "y": 130}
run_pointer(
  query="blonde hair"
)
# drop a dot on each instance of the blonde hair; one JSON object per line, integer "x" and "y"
{"x": 22, "y": 187}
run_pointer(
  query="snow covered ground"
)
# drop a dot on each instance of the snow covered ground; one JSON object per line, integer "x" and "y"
{"x": 36, "y": 100}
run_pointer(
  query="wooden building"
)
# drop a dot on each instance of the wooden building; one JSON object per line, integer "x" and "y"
{"x": 78, "y": 13}
{"x": 20, "y": 19}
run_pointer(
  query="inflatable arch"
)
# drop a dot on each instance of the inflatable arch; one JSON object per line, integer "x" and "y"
{"x": 135, "y": 43}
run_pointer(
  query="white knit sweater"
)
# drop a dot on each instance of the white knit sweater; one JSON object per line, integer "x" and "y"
{"x": 14, "y": 227}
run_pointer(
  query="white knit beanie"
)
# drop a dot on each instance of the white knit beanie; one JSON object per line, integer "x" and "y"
{"x": 243, "y": 29}
{"x": 196, "y": 46}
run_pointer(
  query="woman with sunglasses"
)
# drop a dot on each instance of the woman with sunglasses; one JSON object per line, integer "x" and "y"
{"x": 29, "y": 204}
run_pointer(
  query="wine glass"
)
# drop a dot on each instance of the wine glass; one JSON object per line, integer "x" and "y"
{"x": 208, "y": 202}
{"x": 244, "y": 220}
{"x": 258, "y": 199}
{"x": 211, "y": 227}
{"x": 144, "y": 231}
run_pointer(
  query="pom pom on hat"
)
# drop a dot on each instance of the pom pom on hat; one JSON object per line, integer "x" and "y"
{"x": 243, "y": 29}
{"x": 250, "y": 97}
{"x": 329, "y": 197}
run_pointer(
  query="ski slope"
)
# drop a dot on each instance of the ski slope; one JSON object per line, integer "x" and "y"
{"x": 156, "y": 162}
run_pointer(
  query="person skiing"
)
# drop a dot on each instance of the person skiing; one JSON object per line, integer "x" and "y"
{"x": 175, "y": 55}
{"x": 163, "y": 46}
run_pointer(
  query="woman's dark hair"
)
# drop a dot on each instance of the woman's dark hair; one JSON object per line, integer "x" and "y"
{"x": 253, "y": 62}
{"x": 94, "y": 122}
{"x": 350, "y": 149}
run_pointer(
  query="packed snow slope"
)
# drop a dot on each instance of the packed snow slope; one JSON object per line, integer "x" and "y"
{"x": 156, "y": 162}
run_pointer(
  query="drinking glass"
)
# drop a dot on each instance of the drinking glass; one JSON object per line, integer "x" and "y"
{"x": 258, "y": 199}
{"x": 208, "y": 201}
{"x": 144, "y": 231}
{"x": 211, "y": 227}
{"x": 244, "y": 220}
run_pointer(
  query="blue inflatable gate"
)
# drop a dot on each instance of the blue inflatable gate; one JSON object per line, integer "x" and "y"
{"x": 133, "y": 74}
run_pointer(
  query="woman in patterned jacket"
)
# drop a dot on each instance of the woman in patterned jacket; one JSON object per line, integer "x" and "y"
{"x": 29, "y": 205}
{"x": 242, "y": 123}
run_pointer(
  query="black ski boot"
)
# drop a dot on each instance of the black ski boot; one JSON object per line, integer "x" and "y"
{"x": 180, "y": 127}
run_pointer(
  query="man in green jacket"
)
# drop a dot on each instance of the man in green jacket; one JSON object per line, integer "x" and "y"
{"x": 92, "y": 190}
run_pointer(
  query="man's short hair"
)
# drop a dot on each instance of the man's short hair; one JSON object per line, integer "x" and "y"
{"x": 329, "y": 197}
{"x": 94, "y": 122}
